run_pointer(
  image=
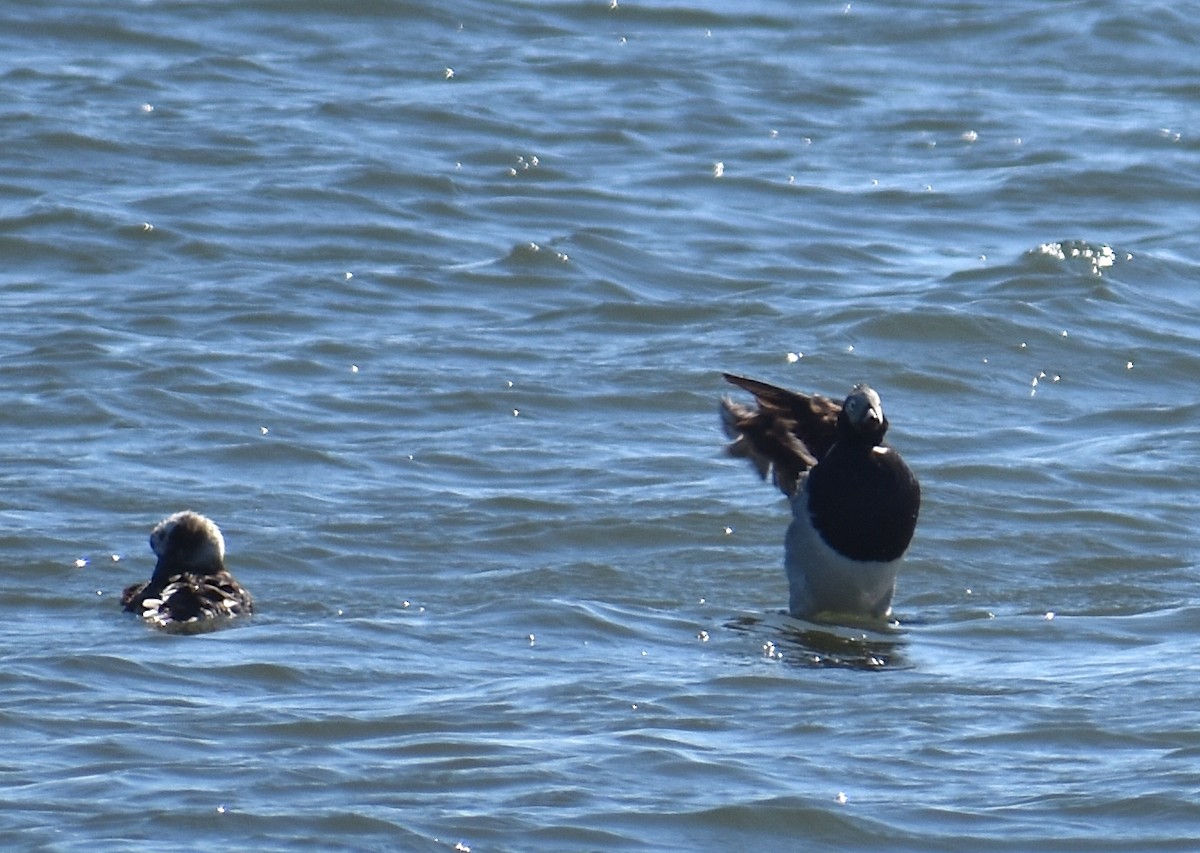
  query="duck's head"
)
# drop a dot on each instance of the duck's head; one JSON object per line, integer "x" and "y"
{"x": 862, "y": 414}
{"x": 188, "y": 542}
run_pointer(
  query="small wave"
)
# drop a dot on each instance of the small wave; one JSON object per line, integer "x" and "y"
{"x": 1090, "y": 258}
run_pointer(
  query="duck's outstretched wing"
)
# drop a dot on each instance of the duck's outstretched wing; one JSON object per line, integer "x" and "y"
{"x": 784, "y": 436}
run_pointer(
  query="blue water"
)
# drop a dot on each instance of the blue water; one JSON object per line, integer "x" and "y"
{"x": 426, "y": 305}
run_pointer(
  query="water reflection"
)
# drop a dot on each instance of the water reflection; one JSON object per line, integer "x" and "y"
{"x": 808, "y": 644}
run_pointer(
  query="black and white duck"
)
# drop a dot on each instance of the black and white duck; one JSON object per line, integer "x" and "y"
{"x": 854, "y": 500}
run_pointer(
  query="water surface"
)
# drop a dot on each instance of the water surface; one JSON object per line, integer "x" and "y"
{"x": 427, "y": 307}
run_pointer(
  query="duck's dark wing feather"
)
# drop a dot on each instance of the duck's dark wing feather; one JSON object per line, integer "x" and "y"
{"x": 785, "y": 435}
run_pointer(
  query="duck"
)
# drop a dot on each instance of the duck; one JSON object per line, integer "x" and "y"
{"x": 190, "y": 585}
{"x": 853, "y": 498}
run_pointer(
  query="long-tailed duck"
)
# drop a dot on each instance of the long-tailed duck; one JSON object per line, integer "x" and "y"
{"x": 854, "y": 500}
{"x": 190, "y": 583}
